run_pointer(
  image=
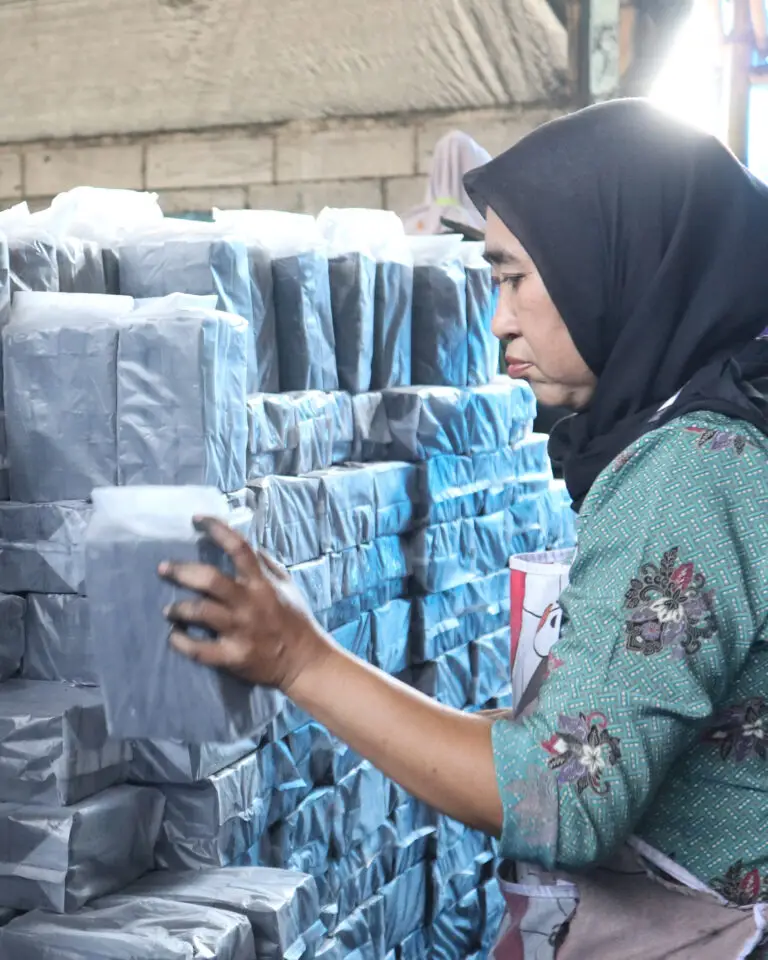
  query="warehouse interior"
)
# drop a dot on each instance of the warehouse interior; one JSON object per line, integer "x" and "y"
{"x": 267, "y": 388}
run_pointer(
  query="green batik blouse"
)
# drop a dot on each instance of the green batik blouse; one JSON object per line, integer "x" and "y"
{"x": 653, "y": 719}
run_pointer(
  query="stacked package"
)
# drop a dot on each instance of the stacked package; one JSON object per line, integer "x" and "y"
{"x": 258, "y": 369}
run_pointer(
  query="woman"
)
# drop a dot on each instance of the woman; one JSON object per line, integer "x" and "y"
{"x": 632, "y": 259}
{"x": 455, "y": 155}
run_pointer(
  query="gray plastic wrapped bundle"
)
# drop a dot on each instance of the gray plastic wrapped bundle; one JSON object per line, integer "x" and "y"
{"x": 291, "y": 433}
{"x": 390, "y": 628}
{"x": 122, "y": 927}
{"x": 499, "y": 414}
{"x": 440, "y": 346}
{"x": 12, "y": 636}
{"x": 5, "y": 485}
{"x": 343, "y": 427}
{"x": 181, "y": 396}
{"x": 59, "y": 359}
{"x": 286, "y": 518}
{"x": 60, "y": 858}
{"x": 169, "y": 761}
{"x": 427, "y": 421}
{"x": 491, "y": 665}
{"x": 81, "y": 266}
{"x": 195, "y": 258}
{"x": 54, "y": 747}
{"x": 372, "y": 438}
{"x": 361, "y": 806}
{"x": 33, "y": 259}
{"x": 281, "y": 906}
{"x": 313, "y": 579}
{"x": 346, "y": 570}
{"x": 345, "y": 515}
{"x": 483, "y": 347}
{"x": 133, "y": 530}
{"x": 214, "y": 823}
{"x": 58, "y": 640}
{"x": 42, "y": 546}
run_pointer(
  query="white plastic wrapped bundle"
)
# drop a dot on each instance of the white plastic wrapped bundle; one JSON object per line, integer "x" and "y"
{"x": 119, "y": 927}
{"x": 59, "y": 858}
{"x": 181, "y": 396}
{"x": 59, "y": 358}
{"x": 12, "y": 637}
{"x": 482, "y": 345}
{"x": 281, "y": 906}
{"x": 58, "y": 639}
{"x": 440, "y": 345}
{"x": 133, "y": 530}
{"x": 54, "y": 747}
{"x": 302, "y": 294}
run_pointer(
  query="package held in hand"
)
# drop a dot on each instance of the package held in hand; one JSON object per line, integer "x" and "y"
{"x": 150, "y": 690}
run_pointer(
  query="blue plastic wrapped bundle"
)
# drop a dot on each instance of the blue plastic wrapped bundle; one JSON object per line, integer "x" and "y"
{"x": 483, "y": 347}
{"x": 12, "y": 634}
{"x": 363, "y": 872}
{"x": 395, "y": 493}
{"x": 439, "y": 337}
{"x": 425, "y": 422}
{"x": 346, "y": 574}
{"x": 460, "y": 869}
{"x": 343, "y": 613}
{"x": 345, "y": 513}
{"x": 364, "y": 930}
{"x": 383, "y": 561}
{"x": 417, "y": 946}
{"x": 357, "y": 637}
{"x": 383, "y": 594}
{"x": 353, "y": 281}
{"x": 60, "y": 858}
{"x": 133, "y": 530}
{"x": 499, "y": 414}
{"x": 491, "y": 659}
{"x": 120, "y": 927}
{"x": 313, "y": 579}
{"x": 5, "y": 482}
{"x": 60, "y": 355}
{"x": 415, "y": 848}
{"x": 361, "y": 805}
{"x": 320, "y": 758}
{"x": 559, "y": 520}
{"x": 372, "y": 437}
{"x": 280, "y": 906}
{"x": 168, "y": 761}
{"x": 58, "y": 640}
{"x": 443, "y": 621}
{"x": 42, "y": 546}
{"x": 293, "y": 433}
{"x": 443, "y": 556}
{"x": 457, "y": 932}
{"x": 405, "y": 904}
{"x": 390, "y": 627}
{"x": 285, "y": 518}
{"x": 447, "y": 679}
{"x": 54, "y": 747}
{"x": 181, "y": 396}
{"x": 342, "y": 427}
{"x": 311, "y": 825}
{"x": 494, "y": 908}
{"x": 447, "y": 490}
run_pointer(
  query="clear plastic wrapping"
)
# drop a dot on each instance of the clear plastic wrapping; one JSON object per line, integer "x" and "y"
{"x": 390, "y": 628}
{"x": 292, "y": 434}
{"x": 313, "y": 579}
{"x": 353, "y": 283}
{"x": 491, "y": 659}
{"x": 60, "y": 858}
{"x": 58, "y": 640}
{"x": 447, "y": 678}
{"x": 54, "y": 746}
{"x": 172, "y": 762}
{"x": 345, "y": 514}
{"x": 12, "y": 634}
{"x": 361, "y": 806}
{"x": 121, "y": 927}
{"x": 426, "y": 421}
{"x": 133, "y": 530}
{"x": 483, "y": 347}
{"x": 286, "y": 518}
{"x": 405, "y": 904}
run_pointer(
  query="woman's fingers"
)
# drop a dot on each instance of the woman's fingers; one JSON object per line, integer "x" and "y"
{"x": 202, "y": 579}
{"x": 203, "y": 613}
{"x": 235, "y": 546}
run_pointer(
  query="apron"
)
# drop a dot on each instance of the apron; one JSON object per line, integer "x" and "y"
{"x": 620, "y": 910}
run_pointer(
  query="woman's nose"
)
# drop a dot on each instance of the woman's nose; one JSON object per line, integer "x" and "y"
{"x": 504, "y": 323}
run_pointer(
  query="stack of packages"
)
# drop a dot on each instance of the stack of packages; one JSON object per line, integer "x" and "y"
{"x": 268, "y": 358}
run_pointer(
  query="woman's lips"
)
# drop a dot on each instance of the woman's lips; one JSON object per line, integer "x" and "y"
{"x": 516, "y": 368}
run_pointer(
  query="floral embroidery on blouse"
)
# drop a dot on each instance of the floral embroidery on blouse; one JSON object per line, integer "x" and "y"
{"x": 581, "y": 750}
{"x": 741, "y": 731}
{"x": 537, "y": 807}
{"x": 741, "y": 886}
{"x": 720, "y": 440}
{"x": 669, "y": 608}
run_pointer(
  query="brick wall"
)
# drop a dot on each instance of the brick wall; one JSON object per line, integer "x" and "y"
{"x": 301, "y": 166}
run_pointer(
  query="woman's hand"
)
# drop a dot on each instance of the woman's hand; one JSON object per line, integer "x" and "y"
{"x": 266, "y": 632}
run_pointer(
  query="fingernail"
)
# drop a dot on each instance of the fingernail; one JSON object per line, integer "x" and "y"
{"x": 199, "y": 523}
{"x": 164, "y": 569}
{"x": 166, "y": 611}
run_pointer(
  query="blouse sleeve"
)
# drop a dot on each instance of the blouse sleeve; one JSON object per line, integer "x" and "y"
{"x": 658, "y": 620}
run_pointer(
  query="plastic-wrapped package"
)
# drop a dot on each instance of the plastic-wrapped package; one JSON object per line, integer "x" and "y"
{"x": 34, "y": 265}
{"x": 492, "y": 547}
{"x": 133, "y": 530}
{"x": 12, "y": 634}
{"x": 440, "y": 354}
{"x": 353, "y": 282}
{"x": 169, "y": 761}
{"x": 120, "y": 927}
{"x": 393, "y": 322}
{"x": 457, "y": 931}
{"x": 499, "y": 414}
{"x": 560, "y": 522}
{"x": 343, "y": 427}
{"x": 357, "y": 638}
{"x": 491, "y": 657}
{"x": 341, "y": 614}
{"x": 364, "y": 930}
{"x": 286, "y": 517}
{"x": 483, "y": 347}
{"x": 364, "y": 872}
{"x": 425, "y": 422}
{"x": 5, "y": 482}
{"x": 417, "y": 946}
{"x": 447, "y": 490}
{"x": 447, "y": 679}
{"x": 459, "y": 870}
{"x": 215, "y": 822}
{"x": 405, "y": 904}
{"x": 54, "y": 747}
{"x": 58, "y": 640}
{"x": 313, "y": 578}
{"x": 384, "y": 593}
{"x": 390, "y": 627}
{"x": 346, "y": 571}
{"x": 442, "y": 621}
{"x": 345, "y": 513}
{"x": 181, "y": 397}
{"x": 59, "y": 355}
{"x": 279, "y": 905}
{"x": 384, "y": 561}
{"x": 494, "y": 907}
{"x": 395, "y": 492}
{"x": 59, "y": 858}
{"x": 7, "y": 915}
{"x": 41, "y": 546}
{"x": 361, "y": 806}
{"x": 310, "y": 825}
{"x": 291, "y": 434}
{"x": 443, "y": 556}
{"x": 372, "y": 438}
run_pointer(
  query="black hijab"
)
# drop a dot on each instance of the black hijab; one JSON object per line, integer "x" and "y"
{"x": 652, "y": 241}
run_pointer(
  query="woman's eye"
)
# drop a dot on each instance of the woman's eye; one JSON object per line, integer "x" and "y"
{"x": 514, "y": 281}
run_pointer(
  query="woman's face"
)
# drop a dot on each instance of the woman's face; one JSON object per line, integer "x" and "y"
{"x": 539, "y": 347}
